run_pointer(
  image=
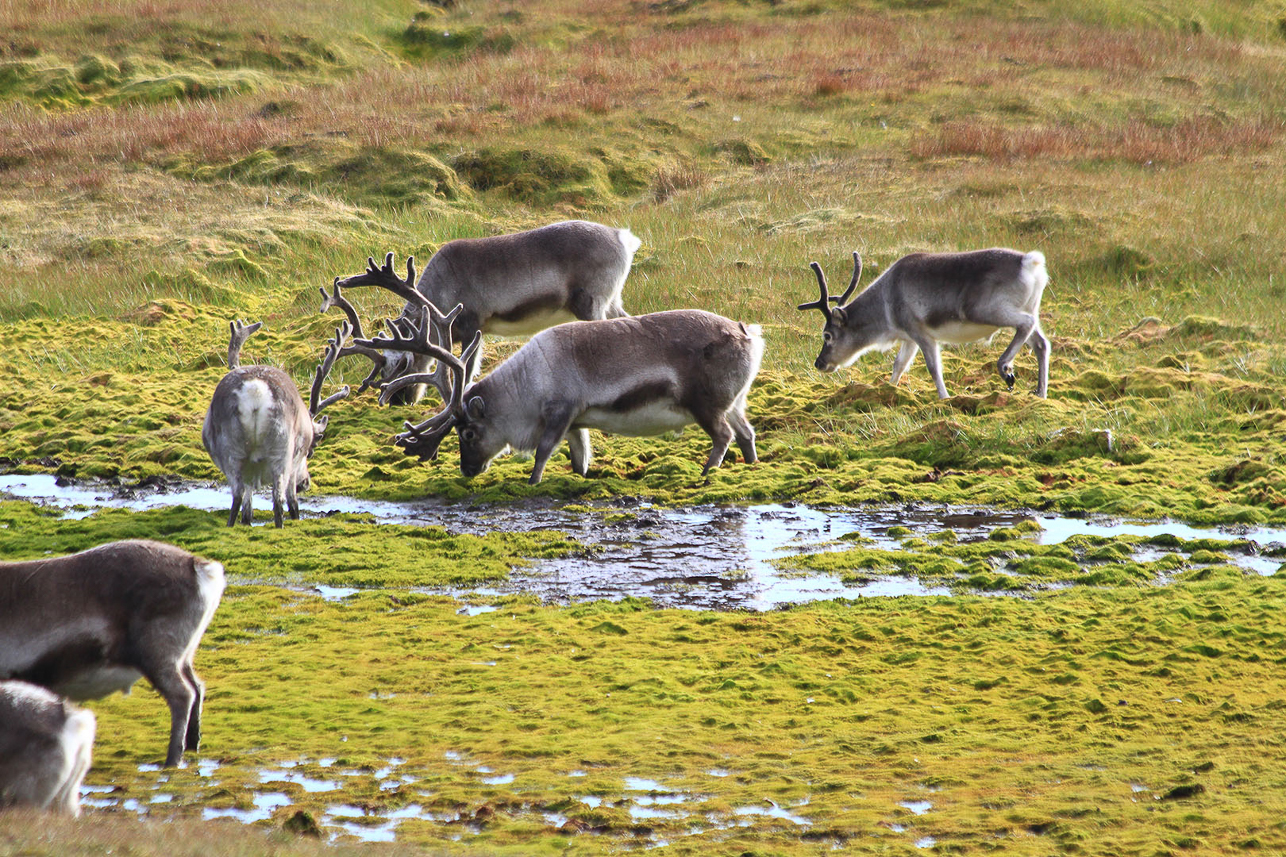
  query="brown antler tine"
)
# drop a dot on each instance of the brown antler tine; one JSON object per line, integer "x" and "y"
{"x": 857, "y": 272}
{"x": 410, "y": 272}
{"x": 333, "y": 348}
{"x": 342, "y": 302}
{"x": 423, "y": 440}
{"x": 823, "y": 303}
{"x": 240, "y": 333}
{"x": 385, "y": 277}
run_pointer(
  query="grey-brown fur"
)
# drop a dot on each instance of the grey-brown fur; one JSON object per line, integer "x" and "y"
{"x": 926, "y": 298}
{"x": 92, "y": 623}
{"x": 46, "y": 746}
{"x": 641, "y": 375}
{"x": 259, "y": 431}
{"x": 520, "y": 283}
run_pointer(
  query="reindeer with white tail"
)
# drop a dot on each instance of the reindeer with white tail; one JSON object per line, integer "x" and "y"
{"x": 924, "y": 299}
{"x": 509, "y": 285}
{"x": 259, "y": 431}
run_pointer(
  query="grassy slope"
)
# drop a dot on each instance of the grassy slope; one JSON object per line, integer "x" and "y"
{"x": 167, "y": 168}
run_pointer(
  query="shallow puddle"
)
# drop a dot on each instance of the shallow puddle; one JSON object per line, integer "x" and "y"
{"x": 702, "y": 558}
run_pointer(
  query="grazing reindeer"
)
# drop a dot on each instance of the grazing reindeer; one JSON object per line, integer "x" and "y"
{"x": 927, "y": 298}
{"x": 258, "y": 430}
{"x": 45, "y": 748}
{"x": 639, "y": 376}
{"x": 95, "y": 622}
{"x": 516, "y": 284}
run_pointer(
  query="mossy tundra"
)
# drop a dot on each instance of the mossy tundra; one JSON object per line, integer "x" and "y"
{"x": 166, "y": 168}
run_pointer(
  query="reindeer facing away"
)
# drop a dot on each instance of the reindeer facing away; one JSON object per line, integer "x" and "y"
{"x": 46, "y": 745}
{"x": 259, "y": 431}
{"x": 927, "y": 298}
{"x": 511, "y": 285}
{"x": 638, "y": 376}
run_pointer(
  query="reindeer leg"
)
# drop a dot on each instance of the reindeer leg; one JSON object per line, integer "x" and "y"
{"x": 1024, "y": 325}
{"x": 236, "y": 503}
{"x": 905, "y": 355}
{"x": 720, "y": 432}
{"x": 463, "y": 330}
{"x": 558, "y": 420}
{"x": 169, "y": 681}
{"x": 1040, "y": 345}
{"x": 192, "y": 739}
{"x": 933, "y": 359}
{"x": 247, "y": 504}
{"x": 744, "y": 432}
{"x": 581, "y": 453}
{"x": 278, "y": 498}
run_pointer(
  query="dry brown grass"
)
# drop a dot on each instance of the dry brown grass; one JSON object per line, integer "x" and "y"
{"x": 1135, "y": 141}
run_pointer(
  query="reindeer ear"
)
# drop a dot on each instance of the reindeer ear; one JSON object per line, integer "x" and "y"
{"x": 476, "y": 410}
{"x": 840, "y": 316}
{"x": 319, "y": 424}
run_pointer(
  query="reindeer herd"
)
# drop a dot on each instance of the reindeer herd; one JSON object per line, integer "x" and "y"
{"x": 83, "y": 626}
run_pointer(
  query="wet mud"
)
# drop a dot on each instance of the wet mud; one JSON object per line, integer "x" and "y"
{"x": 699, "y": 558}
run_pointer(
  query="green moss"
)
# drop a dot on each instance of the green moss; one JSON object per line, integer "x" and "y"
{"x": 541, "y": 177}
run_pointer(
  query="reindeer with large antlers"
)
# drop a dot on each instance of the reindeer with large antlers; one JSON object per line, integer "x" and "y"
{"x": 259, "y": 431}
{"x": 926, "y": 298}
{"x": 639, "y": 376}
{"x": 514, "y": 284}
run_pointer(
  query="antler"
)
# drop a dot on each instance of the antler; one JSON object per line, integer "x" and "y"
{"x": 333, "y": 348}
{"x": 380, "y": 363}
{"x": 240, "y": 333}
{"x": 406, "y": 334}
{"x": 857, "y": 272}
{"x": 824, "y": 302}
{"x": 385, "y": 278}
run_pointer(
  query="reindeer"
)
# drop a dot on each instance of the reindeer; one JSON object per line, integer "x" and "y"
{"x": 513, "y": 285}
{"x": 45, "y": 748}
{"x": 258, "y": 430}
{"x": 638, "y": 376}
{"x": 95, "y": 622}
{"x": 927, "y": 298}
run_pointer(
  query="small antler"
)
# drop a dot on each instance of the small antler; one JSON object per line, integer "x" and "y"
{"x": 857, "y": 272}
{"x": 823, "y": 303}
{"x": 333, "y": 348}
{"x": 240, "y": 333}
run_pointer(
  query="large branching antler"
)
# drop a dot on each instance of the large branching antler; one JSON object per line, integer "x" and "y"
{"x": 333, "y": 348}
{"x": 415, "y": 335}
{"x": 823, "y": 303}
{"x": 381, "y": 367}
{"x": 240, "y": 333}
{"x": 385, "y": 278}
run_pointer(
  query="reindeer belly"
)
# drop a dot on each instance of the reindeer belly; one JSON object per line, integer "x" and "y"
{"x": 98, "y": 682}
{"x": 528, "y": 324}
{"x": 71, "y": 659}
{"x": 646, "y": 420}
{"x": 962, "y": 331}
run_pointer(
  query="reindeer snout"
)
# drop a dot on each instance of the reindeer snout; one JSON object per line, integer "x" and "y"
{"x": 824, "y": 365}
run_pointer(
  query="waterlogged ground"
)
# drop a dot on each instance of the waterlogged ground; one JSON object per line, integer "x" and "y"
{"x": 1138, "y": 678}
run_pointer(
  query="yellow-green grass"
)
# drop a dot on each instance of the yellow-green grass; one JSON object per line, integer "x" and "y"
{"x": 1027, "y": 725}
{"x": 165, "y": 168}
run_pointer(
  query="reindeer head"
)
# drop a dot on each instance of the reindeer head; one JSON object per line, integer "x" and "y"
{"x": 480, "y": 442}
{"x": 845, "y": 336}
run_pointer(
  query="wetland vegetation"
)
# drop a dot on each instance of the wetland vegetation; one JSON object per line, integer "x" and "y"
{"x": 167, "y": 167}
